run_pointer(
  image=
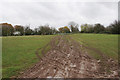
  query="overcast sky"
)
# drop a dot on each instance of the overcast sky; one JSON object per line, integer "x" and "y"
{"x": 57, "y": 14}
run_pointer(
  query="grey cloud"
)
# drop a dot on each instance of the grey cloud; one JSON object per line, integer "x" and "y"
{"x": 58, "y": 14}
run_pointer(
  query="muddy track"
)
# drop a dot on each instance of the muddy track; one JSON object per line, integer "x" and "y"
{"x": 66, "y": 59}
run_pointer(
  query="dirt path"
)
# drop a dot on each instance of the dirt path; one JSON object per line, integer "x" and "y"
{"x": 66, "y": 59}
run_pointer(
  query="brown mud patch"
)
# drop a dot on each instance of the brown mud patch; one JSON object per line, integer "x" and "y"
{"x": 66, "y": 59}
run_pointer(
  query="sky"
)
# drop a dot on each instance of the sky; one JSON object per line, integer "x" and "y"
{"x": 58, "y": 13}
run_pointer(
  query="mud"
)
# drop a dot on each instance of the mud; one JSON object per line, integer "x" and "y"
{"x": 66, "y": 59}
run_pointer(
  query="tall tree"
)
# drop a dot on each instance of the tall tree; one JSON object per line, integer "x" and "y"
{"x": 84, "y": 28}
{"x": 64, "y": 29}
{"x": 7, "y": 29}
{"x": 114, "y": 27}
{"x": 45, "y": 30}
{"x": 73, "y": 27}
{"x": 98, "y": 28}
{"x": 54, "y": 31}
{"x": 36, "y": 31}
{"x": 20, "y": 29}
{"x": 90, "y": 28}
{"x": 28, "y": 31}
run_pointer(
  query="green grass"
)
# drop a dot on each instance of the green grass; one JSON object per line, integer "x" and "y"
{"x": 18, "y": 53}
{"x": 106, "y": 43}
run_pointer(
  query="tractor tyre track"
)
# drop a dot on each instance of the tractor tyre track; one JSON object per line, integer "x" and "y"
{"x": 66, "y": 59}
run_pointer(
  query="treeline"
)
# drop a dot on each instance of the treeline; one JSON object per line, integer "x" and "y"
{"x": 9, "y": 30}
{"x": 113, "y": 28}
{"x": 71, "y": 28}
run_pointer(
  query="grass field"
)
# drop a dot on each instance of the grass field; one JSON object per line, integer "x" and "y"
{"x": 19, "y": 52}
{"x": 106, "y": 43}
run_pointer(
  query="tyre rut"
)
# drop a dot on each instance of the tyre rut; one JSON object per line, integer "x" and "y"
{"x": 64, "y": 60}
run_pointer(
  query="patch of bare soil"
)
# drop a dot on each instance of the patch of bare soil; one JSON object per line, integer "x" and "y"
{"x": 67, "y": 60}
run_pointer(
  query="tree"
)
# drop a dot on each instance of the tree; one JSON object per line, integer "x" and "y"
{"x": 87, "y": 28}
{"x": 73, "y": 27}
{"x": 28, "y": 31}
{"x": 64, "y": 29}
{"x": 108, "y": 30}
{"x": 90, "y": 28}
{"x": 54, "y": 31}
{"x": 36, "y": 31}
{"x": 61, "y": 30}
{"x": 114, "y": 28}
{"x": 84, "y": 28}
{"x": 98, "y": 28}
{"x": 7, "y": 29}
{"x": 45, "y": 30}
{"x": 20, "y": 29}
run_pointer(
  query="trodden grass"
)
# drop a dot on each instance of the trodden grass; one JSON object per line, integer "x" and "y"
{"x": 18, "y": 53}
{"x": 106, "y": 43}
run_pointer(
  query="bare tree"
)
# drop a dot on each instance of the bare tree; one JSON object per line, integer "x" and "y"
{"x": 73, "y": 26}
